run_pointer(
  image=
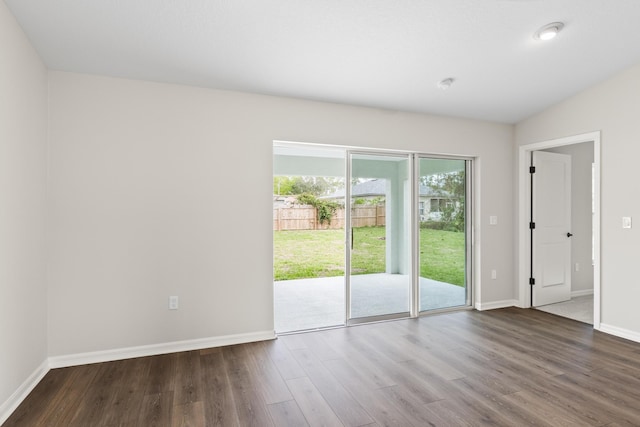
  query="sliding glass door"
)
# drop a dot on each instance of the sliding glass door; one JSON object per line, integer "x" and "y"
{"x": 380, "y": 239}
{"x": 367, "y": 235}
{"x": 308, "y": 237}
{"x": 443, "y": 212}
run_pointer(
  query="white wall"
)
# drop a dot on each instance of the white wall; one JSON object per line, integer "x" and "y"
{"x": 611, "y": 107}
{"x": 23, "y": 127}
{"x": 162, "y": 190}
{"x": 581, "y": 224}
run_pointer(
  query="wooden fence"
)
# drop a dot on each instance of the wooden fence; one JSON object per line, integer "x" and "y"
{"x": 303, "y": 217}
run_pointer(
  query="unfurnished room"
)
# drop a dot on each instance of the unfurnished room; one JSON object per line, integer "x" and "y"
{"x": 302, "y": 213}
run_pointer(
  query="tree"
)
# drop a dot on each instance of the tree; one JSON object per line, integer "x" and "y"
{"x": 316, "y": 185}
{"x": 282, "y": 185}
{"x": 450, "y": 186}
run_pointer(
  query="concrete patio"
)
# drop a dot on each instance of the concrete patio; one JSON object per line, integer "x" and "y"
{"x": 318, "y": 303}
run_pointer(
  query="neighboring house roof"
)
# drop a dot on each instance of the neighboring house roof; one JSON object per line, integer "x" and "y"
{"x": 377, "y": 188}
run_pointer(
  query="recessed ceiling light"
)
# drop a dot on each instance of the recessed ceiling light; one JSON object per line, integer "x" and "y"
{"x": 549, "y": 31}
{"x": 446, "y": 83}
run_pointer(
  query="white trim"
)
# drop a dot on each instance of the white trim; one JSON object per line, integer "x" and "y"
{"x": 582, "y": 293}
{"x": 496, "y": 304}
{"x": 154, "y": 349}
{"x": 475, "y": 237}
{"x": 12, "y": 403}
{"x": 620, "y": 332}
{"x": 523, "y": 215}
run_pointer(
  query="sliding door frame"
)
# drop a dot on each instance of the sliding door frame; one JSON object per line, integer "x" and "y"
{"x": 413, "y": 159}
{"x": 409, "y": 157}
{"x": 414, "y": 237}
{"x": 469, "y": 238}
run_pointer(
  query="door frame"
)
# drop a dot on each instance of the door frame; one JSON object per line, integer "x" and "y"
{"x": 471, "y": 252}
{"x": 524, "y": 251}
{"x": 348, "y": 226}
{"x": 472, "y": 267}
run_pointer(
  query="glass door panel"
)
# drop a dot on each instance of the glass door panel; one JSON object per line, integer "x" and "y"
{"x": 380, "y": 252}
{"x": 308, "y": 237}
{"x": 442, "y": 212}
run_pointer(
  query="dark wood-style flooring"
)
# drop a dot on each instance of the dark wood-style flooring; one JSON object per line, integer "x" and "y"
{"x": 508, "y": 367}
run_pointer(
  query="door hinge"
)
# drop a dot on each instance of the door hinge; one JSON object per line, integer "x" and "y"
{"x": 532, "y": 169}
{"x": 532, "y": 281}
{"x": 532, "y": 225}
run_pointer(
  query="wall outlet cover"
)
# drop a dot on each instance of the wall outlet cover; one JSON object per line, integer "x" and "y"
{"x": 173, "y": 303}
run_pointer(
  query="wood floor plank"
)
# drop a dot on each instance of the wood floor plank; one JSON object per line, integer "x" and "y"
{"x": 156, "y": 410}
{"x": 487, "y": 398}
{"x": 188, "y": 387}
{"x": 64, "y": 405}
{"x": 287, "y": 413}
{"x": 281, "y": 357}
{"x": 319, "y": 347}
{"x": 364, "y": 390}
{"x": 294, "y": 341}
{"x": 339, "y": 399}
{"x": 94, "y": 405}
{"x": 217, "y": 395}
{"x": 270, "y": 383}
{"x": 189, "y": 415}
{"x": 612, "y": 404}
{"x": 410, "y": 405}
{"x": 126, "y": 398}
{"x": 439, "y": 365}
{"x": 249, "y": 405}
{"x": 420, "y": 385}
{"x": 454, "y": 416}
{"x": 544, "y": 389}
{"x": 355, "y": 353}
{"x": 555, "y": 415}
{"x": 162, "y": 374}
{"x": 316, "y": 410}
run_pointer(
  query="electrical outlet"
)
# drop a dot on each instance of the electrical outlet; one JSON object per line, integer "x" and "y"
{"x": 577, "y": 266}
{"x": 494, "y": 274}
{"x": 493, "y": 220}
{"x": 173, "y": 303}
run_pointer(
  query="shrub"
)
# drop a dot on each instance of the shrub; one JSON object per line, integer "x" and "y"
{"x": 325, "y": 210}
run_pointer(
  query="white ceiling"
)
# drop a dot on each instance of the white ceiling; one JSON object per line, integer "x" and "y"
{"x": 379, "y": 53}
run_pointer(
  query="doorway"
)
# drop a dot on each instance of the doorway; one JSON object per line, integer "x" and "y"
{"x": 396, "y": 235}
{"x": 582, "y": 268}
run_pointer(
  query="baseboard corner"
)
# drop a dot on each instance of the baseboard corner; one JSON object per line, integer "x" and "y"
{"x": 11, "y": 404}
{"x": 620, "y": 332}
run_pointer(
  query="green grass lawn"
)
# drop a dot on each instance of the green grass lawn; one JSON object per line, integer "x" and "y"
{"x": 320, "y": 253}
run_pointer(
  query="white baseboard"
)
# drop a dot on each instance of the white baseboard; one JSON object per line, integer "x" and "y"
{"x": 7, "y": 408}
{"x": 496, "y": 304}
{"x": 620, "y": 332}
{"x": 582, "y": 293}
{"x": 154, "y": 349}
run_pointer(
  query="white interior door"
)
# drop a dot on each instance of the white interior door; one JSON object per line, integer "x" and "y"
{"x": 552, "y": 233}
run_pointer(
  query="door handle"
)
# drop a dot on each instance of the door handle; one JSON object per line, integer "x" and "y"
{"x": 569, "y": 234}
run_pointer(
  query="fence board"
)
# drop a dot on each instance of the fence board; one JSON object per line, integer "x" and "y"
{"x": 303, "y": 217}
